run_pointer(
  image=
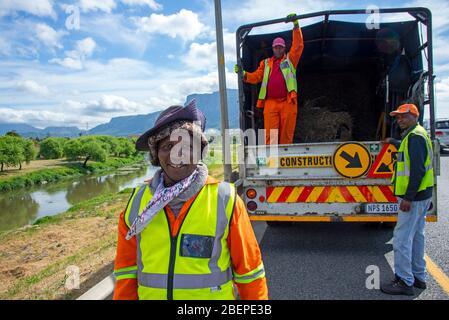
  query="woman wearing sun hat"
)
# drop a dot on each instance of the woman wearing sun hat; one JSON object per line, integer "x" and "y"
{"x": 185, "y": 235}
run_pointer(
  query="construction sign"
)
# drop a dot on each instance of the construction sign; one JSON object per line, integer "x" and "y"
{"x": 317, "y": 161}
{"x": 383, "y": 166}
{"x": 351, "y": 160}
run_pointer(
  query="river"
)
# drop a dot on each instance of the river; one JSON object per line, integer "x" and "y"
{"x": 22, "y": 207}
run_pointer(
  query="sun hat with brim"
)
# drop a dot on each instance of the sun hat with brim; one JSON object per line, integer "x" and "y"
{"x": 406, "y": 108}
{"x": 172, "y": 114}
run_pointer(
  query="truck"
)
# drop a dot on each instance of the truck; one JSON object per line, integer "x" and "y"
{"x": 350, "y": 76}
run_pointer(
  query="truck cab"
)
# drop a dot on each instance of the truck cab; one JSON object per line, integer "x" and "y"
{"x": 350, "y": 76}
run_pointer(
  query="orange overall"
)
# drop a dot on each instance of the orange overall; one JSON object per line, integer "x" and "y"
{"x": 280, "y": 106}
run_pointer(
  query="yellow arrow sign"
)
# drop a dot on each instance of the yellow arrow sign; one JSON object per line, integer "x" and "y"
{"x": 351, "y": 160}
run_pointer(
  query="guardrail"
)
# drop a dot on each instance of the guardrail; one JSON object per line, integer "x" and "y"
{"x": 101, "y": 291}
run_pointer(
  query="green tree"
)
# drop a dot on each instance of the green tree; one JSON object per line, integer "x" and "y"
{"x": 110, "y": 144}
{"x": 11, "y": 151}
{"x": 125, "y": 147}
{"x": 51, "y": 148}
{"x": 3, "y": 152}
{"x": 12, "y": 133}
{"x": 72, "y": 149}
{"x": 29, "y": 151}
{"x": 93, "y": 150}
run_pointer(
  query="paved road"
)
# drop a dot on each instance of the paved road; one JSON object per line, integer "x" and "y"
{"x": 329, "y": 261}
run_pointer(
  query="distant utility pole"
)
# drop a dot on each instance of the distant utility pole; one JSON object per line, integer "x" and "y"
{"x": 223, "y": 93}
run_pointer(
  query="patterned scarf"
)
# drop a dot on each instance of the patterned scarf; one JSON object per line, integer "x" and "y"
{"x": 160, "y": 199}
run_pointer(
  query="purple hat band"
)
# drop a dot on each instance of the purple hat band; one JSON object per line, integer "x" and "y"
{"x": 278, "y": 42}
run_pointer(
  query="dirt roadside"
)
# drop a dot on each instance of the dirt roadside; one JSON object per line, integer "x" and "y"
{"x": 35, "y": 260}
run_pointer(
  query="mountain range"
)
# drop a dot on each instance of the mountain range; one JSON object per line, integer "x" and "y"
{"x": 136, "y": 124}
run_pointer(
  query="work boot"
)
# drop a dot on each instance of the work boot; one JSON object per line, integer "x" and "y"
{"x": 420, "y": 284}
{"x": 397, "y": 287}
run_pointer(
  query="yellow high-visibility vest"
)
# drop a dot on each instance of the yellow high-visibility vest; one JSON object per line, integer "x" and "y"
{"x": 289, "y": 73}
{"x": 401, "y": 175}
{"x": 194, "y": 264}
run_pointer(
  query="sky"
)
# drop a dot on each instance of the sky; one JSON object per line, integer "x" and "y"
{"x": 80, "y": 63}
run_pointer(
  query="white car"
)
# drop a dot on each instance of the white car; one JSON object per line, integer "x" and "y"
{"x": 442, "y": 132}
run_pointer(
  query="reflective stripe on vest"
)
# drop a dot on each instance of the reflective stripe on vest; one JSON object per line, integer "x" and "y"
{"x": 401, "y": 177}
{"x": 161, "y": 267}
{"x": 257, "y": 273}
{"x": 126, "y": 273}
{"x": 288, "y": 71}
{"x": 131, "y": 214}
{"x": 186, "y": 281}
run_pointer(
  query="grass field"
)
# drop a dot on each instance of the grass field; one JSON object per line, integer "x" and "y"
{"x": 34, "y": 165}
{"x": 50, "y": 172}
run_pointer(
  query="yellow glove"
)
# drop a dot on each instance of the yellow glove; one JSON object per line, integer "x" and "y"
{"x": 237, "y": 69}
{"x": 291, "y": 16}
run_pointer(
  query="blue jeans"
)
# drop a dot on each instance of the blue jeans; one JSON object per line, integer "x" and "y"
{"x": 408, "y": 243}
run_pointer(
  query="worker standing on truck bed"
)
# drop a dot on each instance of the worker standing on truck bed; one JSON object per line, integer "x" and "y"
{"x": 413, "y": 182}
{"x": 185, "y": 235}
{"x": 278, "y": 92}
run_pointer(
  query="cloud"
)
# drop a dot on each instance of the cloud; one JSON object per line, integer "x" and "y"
{"x": 35, "y": 117}
{"x": 85, "y": 47}
{"x": 18, "y": 38}
{"x": 204, "y": 56}
{"x": 45, "y": 118}
{"x": 184, "y": 24}
{"x": 118, "y": 30}
{"x": 5, "y": 47}
{"x": 101, "y": 90}
{"x": 97, "y": 5}
{"x": 69, "y": 63}
{"x": 109, "y": 5}
{"x": 442, "y": 98}
{"x": 205, "y": 83}
{"x": 32, "y": 87}
{"x": 250, "y": 11}
{"x": 41, "y": 8}
{"x": 151, "y": 3}
{"x": 49, "y": 36}
{"x": 440, "y": 12}
{"x": 113, "y": 105}
{"x": 441, "y": 49}
{"x": 75, "y": 58}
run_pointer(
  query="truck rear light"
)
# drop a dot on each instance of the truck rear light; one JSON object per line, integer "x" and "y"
{"x": 439, "y": 133}
{"x": 251, "y": 206}
{"x": 262, "y": 199}
{"x": 251, "y": 193}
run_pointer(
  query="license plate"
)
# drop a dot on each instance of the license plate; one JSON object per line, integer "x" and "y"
{"x": 381, "y": 208}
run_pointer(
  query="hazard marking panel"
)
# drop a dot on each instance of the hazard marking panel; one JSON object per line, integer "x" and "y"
{"x": 383, "y": 166}
{"x": 351, "y": 160}
{"x": 328, "y": 194}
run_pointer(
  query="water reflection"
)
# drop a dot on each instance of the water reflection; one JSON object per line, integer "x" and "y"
{"x": 19, "y": 208}
{"x": 13, "y": 215}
